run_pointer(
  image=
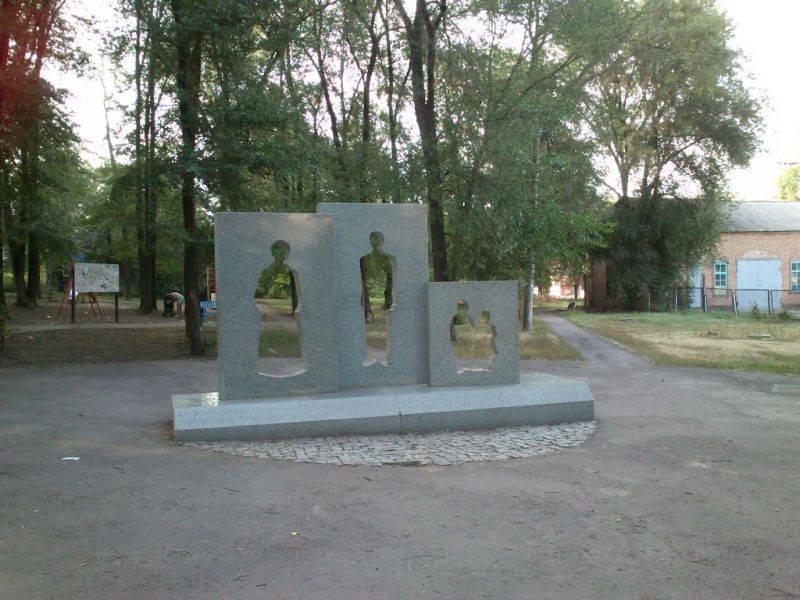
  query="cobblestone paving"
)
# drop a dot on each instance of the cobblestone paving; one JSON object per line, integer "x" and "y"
{"x": 441, "y": 448}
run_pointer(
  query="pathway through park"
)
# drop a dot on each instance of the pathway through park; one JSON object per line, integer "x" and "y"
{"x": 688, "y": 489}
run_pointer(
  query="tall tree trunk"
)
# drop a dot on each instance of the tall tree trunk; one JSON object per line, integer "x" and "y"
{"x": 6, "y": 8}
{"x": 154, "y": 17}
{"x": 19, "y": 245}
{"x": 32, "y": 210}
{"x": 125, "y": 271}
{"x": 366, "y": 106}
{"x": 34, "y": 284}
{"x": 145, "y": 292}
{"x": 388, "y": 290}
{"x": 293, "y": 291}
{"x": 16, "y": 245}
{"x": 17, "y": 250}
{"x": 3, "y": 305}
{"x": 390, "y": 101}
{"x": 125, "y": 266}
{"x": 4, "y": 228}
{"x": 527, "y": 308}
{"x": 421, "y": 33}
{"x": 150, "y": 199}
{"x": 527, "y": 305}
{"x": 366, "y": 303}
{"x": 188, "y": 48}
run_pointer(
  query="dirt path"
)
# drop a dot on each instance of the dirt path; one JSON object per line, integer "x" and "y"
{"x": 592, "y": 347}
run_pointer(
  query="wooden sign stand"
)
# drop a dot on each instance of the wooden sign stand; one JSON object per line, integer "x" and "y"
{"x": 94, "y": 303}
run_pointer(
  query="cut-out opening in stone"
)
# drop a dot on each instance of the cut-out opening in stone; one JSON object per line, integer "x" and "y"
{"x": 377, "y": 300}
{"x": 473, "y": 342}
{"x": 277, "y": 299}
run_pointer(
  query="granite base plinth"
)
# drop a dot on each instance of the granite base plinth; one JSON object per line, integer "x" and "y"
{"x": 538, "y": 399}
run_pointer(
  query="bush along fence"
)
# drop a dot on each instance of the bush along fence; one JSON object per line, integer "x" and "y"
{"x": 764, "y": 301}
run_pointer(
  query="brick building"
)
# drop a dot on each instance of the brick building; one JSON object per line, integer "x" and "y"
{"x": 760, "y": 251}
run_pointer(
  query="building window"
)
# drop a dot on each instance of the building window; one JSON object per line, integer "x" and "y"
{"x": 721, "y": 274}
{"x": 796, "y": 275}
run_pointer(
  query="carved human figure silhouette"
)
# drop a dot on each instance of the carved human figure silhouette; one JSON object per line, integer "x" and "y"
{"x": 376, "y": 261}
{"x": 280, "y": 254}
{"x": 474, "y": 338}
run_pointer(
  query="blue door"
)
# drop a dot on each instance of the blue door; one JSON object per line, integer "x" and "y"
{"x": 754, "y": 275}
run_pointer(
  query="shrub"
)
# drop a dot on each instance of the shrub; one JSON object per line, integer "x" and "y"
{"x": 280, "y": 286}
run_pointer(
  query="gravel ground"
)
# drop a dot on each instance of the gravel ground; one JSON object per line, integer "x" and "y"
{"x": 414, "y": 449}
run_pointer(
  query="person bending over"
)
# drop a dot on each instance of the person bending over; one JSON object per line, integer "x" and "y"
{"x": 178, "y": 299}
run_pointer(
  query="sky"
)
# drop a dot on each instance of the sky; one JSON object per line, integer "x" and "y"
{"x": 765, "y": 31}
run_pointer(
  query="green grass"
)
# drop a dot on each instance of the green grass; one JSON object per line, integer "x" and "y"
{"x": 716, "y": 340}
{"x": 280, "y": 305}
{"x": 556, "y": 302}
{"x": 279, "y": 343}
{"x": 538, "y": 344}
{"x": 275, "y": 342}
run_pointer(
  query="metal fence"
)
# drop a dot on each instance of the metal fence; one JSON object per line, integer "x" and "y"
{"x": 705, "y": 299}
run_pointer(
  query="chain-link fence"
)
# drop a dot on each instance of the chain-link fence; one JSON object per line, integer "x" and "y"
{"x": 705, "y": 299}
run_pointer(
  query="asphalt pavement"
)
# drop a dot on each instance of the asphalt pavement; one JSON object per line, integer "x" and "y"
{"x": 688, "y": 489}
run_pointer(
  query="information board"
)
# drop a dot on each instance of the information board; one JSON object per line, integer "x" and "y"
{"x": 96, "y": 277}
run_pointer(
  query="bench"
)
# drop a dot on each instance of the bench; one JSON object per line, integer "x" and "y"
{"x": 206, "y": 307}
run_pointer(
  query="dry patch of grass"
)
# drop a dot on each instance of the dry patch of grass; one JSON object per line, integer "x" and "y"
{"x": 538, "y": 344}
{"x": 542, "y": 344}
{"x": 475, "y": 342}
{"x": 279, "y": 339}
{"x": 716, "y": 340}
{"x": 67, "y": 346}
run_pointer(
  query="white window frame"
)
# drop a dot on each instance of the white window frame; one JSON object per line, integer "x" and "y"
{"x": 719, "y": 273}
{"x": 794, "y": 275}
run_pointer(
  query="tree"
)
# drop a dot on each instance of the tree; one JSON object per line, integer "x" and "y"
{"x": 189, "y": 56}
{"x": 148, "y": 44}
{"x": 32, "y": 32}
{"x": 789, "y": 184}
{"x": 672, "y": 114}
{"x": 422, "y": 47}
{"x": 520, "y": 173}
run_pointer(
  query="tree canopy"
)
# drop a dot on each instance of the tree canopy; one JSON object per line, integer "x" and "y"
{"x": 789, "y": 183}
{"x": 673, "y": 115}
{"x": 500, "y": 116}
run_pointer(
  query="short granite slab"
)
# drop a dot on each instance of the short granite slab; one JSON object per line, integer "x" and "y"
{"x": 538, "y": 399}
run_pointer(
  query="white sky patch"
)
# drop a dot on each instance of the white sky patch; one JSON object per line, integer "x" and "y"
{"x": 766, "y": 32}
{"x": 85, "y": 102}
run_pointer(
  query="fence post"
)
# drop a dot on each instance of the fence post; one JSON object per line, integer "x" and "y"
{"x": 676, "y": 299}
{"x": 735, "y": 303}
{"x": 703, "y": 299}
{"x": 769, "y": 302}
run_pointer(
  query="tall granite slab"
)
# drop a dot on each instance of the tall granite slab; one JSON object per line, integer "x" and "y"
{"x": 243, "y": 243}
{"x": 324, "y": 250}
{"x": 404, "y": 232}
{"x": 499, "y": 299}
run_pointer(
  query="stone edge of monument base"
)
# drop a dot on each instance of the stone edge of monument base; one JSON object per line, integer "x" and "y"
{"x": 538, "y": 399}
